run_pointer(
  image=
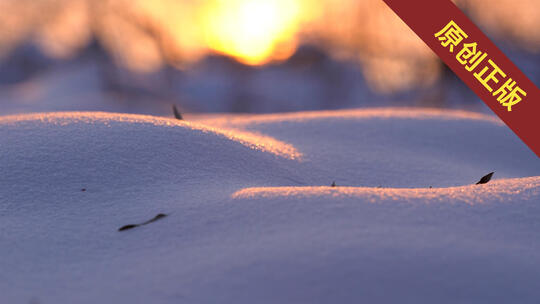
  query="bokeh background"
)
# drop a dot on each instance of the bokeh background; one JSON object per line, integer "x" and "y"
{"x": 252, "y": 56}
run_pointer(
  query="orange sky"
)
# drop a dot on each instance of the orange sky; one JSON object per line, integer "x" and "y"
{"x": 142, "y": 34}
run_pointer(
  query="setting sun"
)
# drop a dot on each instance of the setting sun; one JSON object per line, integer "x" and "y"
{"x": 253, "y": 31}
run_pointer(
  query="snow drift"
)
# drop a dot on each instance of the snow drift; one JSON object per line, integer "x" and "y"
{"x": 251, "y": 218}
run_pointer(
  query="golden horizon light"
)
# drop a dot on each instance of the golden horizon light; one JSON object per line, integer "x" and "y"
{"x": 252, "y": 31}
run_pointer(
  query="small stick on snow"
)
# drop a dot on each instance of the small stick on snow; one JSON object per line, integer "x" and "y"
{"x": 485, "y": 179}
{"x": 155, "y": 218}
{"x": 177, "y": 113}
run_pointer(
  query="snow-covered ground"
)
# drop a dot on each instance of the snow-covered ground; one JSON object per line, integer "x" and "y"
{"x": 251, "y": 216}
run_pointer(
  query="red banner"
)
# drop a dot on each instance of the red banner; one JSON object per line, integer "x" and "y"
{"x": 477, "y": 61}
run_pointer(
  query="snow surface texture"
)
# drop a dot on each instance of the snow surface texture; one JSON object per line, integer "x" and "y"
{"x": 251, "y": 216}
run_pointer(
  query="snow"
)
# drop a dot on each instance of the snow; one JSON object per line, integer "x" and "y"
{"x": 395, "y": 147}
{"x": 251, "y": 216}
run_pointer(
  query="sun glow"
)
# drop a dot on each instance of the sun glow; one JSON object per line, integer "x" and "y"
{"x": 253, "y": 31}
{"x": 143, "y": 35}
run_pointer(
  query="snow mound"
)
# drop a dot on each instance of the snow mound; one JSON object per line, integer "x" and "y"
{"x": 503, "y": 190}
{"x": 395, "y": 147}
{"x": 470, "y": 244}
{"x": 250, "y": 216}
{"x": 42, "y": 152}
